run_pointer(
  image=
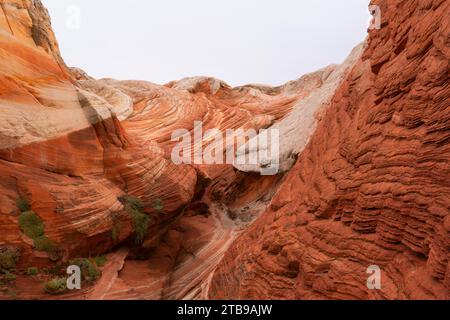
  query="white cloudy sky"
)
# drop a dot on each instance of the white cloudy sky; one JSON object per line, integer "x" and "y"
{"x": 238, "y": 41}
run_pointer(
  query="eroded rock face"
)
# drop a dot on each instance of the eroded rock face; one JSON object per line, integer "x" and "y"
{"x": 65, "y": 150}
{"x": 367, "y": 142}
{"x": 72, "y": 145}
{"x": 371, "y": 188}
{"x": 296, "y": 129}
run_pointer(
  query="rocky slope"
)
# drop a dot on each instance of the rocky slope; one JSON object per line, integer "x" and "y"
{"x": 371, "y": 187}
{"x": 72, "y": 146}
{"x": 66, "y": 152}
{"x": 364, "y": 145}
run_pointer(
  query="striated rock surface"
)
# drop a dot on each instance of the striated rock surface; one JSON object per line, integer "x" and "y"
{"x": 72, "y": 146}
{"x": 371, "y": 187}
{"x": 64, "y": 149}
{"x": 297, "y": 128}
{"x": 363, "y": 181}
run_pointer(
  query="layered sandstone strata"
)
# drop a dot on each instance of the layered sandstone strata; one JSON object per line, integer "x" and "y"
{"x": 367, "y": 142}
{"x": 65, "y": 150}
{"x": 371, "y": 187}
{"x": 72, "y": 146}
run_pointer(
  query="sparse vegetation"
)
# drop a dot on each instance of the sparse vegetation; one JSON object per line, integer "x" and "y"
{"x": 158, "y": 205}
{"x": 23, "y": 204}
{"x": 8, "y": 258}
{"x": 115, "y": 231}
{"x": 33, "y": 227}
{"x": 56, "y": 286}
{"x": 100, "y": 261}
{"x": 46, "y": 245}
{"x": 89, "y": 270}
{"x": 32, "y": 271}
{"x": 141, "y": 221}
{"x": 9, "y": 277}
{"x": 132, "y": 202}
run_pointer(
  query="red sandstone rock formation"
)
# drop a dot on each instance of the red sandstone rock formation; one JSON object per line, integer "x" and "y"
{"x": 65, "y": 150}
{"x": 72, "y": 145}
{"x": 372, "y": 186}
{"x": 369, "y": 186}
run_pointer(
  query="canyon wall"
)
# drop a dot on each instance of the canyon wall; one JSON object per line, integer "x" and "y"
{"x": 65, "y": 151}
{"x": 372, "y": 186}
{"x": 72, "y": 146}
{"x": 363, "y": 181}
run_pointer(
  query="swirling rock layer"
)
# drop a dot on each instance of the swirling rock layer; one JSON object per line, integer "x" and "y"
{"x": 72, "y": 146}
{"x": 371, "y": 188}
{"x": 367, "y": 141}
{"x": 65, "y": 150}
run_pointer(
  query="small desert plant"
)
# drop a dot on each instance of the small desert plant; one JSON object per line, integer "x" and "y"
{"x": 56, "y": 286}
{"x": 132, "y": 202}
{"x": 141, "y": 221}
{"x": 158, "y": 205}
{"x": 115, "y": 231}
{"x": 56, "y": 270}
{"x": 89, "y": 269}
{"x": 8, "y": 258}
{"x": 33, "y": 226}
{"x": 45, "y": 244}
{"x": 9, "y": 277}
{"x": 32, "y": 271}
{"x": 100, "y": 261}
{"x": 23, "y": 204}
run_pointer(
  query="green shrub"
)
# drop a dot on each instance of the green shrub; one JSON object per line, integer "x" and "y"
{"x": 56, "y": 270}
{"x": 89, "y": 269}
{"x": 31, "y": 225}
{"x": 100, "y": 261}
{"x": 141, "y": 221}
{"x": 52, "y": 249}
{"x": 13, "y": 294}
{"x": 9, "y": 277}
{"x": 45, "y": 244}
{"x": 8, "y": 258}
{"x": 56, "y": 286}
{"x": 23, "y": 204}
{"x": 32, "y": 271}
{"x": 132, "y": 202}
{"x": 158, "y": 204}
{"x": 115, "y": 233}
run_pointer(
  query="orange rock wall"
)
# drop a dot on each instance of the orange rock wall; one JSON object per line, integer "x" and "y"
{"x": 372, "y": 187}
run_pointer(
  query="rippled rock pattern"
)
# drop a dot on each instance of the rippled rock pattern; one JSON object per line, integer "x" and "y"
{"x": 72, "y": 145}
{"x": 364, "y": 179}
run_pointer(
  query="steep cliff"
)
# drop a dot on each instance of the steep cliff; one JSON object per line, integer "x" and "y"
{"x": 79, "y": 155}
{"x": 371, "y": 187}
{"x": 86, "y": 168}
{"x": 65, "y": 152}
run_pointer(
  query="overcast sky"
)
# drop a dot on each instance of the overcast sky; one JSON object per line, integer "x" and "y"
{"x": 238, "y": 41}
